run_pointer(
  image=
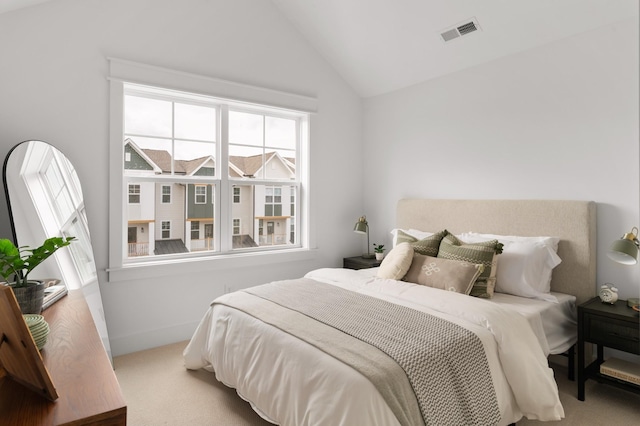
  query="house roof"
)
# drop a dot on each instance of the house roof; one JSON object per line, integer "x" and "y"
{"x": 240, "y": 166}
{"x": 170, "y": 247}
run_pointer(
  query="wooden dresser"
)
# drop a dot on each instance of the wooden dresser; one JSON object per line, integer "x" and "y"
{"x": 89, "y": 393}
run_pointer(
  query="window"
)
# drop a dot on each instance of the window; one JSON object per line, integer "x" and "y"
{"x": 188, "y": 157}
{"x": 166, "y": 194}
{"x": 273, "y": 201}
{"x": 166, "y": 229}
{"x": 201, "y": 194}
{"x": 195, "y": 230}
{"x": 134, "y": 194}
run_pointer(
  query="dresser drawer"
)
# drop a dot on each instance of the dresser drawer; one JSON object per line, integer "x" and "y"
{"x": 612, "y": 333}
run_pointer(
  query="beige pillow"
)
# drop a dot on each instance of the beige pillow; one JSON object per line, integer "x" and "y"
{"x": 444, "y": 274}
{"x": 397, "y": 262}
{"x": 482, "y": 252}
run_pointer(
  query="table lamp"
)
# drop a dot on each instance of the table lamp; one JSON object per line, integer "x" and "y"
{"x": 362, "y": 227}
{"x": 625, "y": 251}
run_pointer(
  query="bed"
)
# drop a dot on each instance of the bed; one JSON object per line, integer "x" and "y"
{"x": 277, "y": 344}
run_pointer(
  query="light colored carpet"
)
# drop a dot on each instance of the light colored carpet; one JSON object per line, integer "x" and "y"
{"x": 160, "y": 391}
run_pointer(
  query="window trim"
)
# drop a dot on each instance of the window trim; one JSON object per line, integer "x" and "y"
{"x": 129, "y": 193}
{"x": 162, "y": 194}
{"x": 123, "y": 71}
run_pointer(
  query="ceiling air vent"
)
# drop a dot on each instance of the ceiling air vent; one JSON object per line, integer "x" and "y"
{"x": 460, "y": 30}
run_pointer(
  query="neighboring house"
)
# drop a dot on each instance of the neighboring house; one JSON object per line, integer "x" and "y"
{"x": 166, "y": 218}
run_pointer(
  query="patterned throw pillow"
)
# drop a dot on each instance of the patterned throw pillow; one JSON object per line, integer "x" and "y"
{"x": 428, "y": 246}
{"x": 443, "y": 273}
{"x": 483, "y": 253}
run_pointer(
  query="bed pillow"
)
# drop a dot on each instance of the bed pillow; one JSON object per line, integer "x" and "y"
{"x": 552, "y": 242}
{"x": 538, "y": 246}
{"x": 443, "y": 273}
{"x": 521, "y": 266}
{"x": 484, "y": 253}
{"x": 412, "y": 232}
{"x": 397, "y": 262}
{"x": 427, "y": 246}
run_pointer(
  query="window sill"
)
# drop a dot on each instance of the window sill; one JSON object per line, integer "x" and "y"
{"x": 214, "y": 263}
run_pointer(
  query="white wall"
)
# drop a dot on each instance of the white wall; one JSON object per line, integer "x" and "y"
{"x": 556, "y": 122}
{"x": 53, "y": 87}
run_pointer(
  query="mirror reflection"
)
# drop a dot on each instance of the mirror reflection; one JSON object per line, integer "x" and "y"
{"x": 45, "y": 199}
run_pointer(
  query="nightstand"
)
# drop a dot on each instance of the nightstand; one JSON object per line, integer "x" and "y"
{"x": 359, "y": 262}
{"x": 614, "y": 326}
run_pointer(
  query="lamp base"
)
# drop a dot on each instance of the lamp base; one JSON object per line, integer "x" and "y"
{"x": 368, "y": 256}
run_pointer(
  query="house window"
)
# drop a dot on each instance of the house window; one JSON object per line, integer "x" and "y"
{"x": 195, "y": 230}
{"x": 201, "y": 194}
{"x": 166, "y": 229}
{"x": 166, "y": 194}
{"x": 207, "y": 159}
{"x": 273, "y": 201}
{"x": 134, "y": 194}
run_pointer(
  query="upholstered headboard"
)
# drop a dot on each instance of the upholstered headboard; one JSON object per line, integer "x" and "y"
{"x": 574, "y": 222}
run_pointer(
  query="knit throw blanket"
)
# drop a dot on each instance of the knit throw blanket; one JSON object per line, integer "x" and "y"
{"x": 445, "y": 363}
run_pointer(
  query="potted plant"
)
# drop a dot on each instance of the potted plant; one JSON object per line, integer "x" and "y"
{"x": 379, "y": 251}
{"x": 17, "y": 263}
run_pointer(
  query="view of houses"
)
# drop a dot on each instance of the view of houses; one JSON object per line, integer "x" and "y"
{"x": 175, "y": 217}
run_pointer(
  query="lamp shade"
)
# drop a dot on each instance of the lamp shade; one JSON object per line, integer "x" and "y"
{"x": 625, "y": 250}
{"x": 361, "y": 226}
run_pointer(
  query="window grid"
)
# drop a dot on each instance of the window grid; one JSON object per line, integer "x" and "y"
{"x": 274, "y": 163}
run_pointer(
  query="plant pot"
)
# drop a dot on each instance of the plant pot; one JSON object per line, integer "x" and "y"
{"x": 30, "y": 298}
{"x": 379, "y": 256}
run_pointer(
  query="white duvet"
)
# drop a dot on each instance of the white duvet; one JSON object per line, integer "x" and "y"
{"x": 289, "y": 382}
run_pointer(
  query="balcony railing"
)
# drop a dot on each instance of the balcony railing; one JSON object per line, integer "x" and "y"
{"x": 273, "y": 239}
{"x": 138, "y": 249}
{"x": 201, "y": 245}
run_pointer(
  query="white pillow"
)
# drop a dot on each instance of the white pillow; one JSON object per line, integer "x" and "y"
{"x": 550, "y": 241}
{"x": 525, "y": 265}
{"x": 413, "y": 232}
{"x": 397, "y": 262}
{"x": 522, "y": 268}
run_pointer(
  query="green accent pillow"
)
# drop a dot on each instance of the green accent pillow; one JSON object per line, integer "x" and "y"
{"x": 483, "y": 253}
{"x": 428, "y": 246}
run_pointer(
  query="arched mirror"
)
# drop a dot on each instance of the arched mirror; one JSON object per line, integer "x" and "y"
{"x": 44, "y": 198}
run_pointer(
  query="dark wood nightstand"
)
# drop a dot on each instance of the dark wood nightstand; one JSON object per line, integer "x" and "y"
{"x": 614, "y": 326}
{"x": 359, "y": 262}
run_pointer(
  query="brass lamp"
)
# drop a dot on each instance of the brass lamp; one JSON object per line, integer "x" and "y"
{"x": 625, "y": 250}
{"x": 362, "y": 227}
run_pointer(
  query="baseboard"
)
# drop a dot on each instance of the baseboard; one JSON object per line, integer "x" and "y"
{"x": 122, "y": 345}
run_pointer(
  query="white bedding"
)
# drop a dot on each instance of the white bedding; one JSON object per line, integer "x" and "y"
{"x": 555, "y": 324}
{"x": 289, "y": 382}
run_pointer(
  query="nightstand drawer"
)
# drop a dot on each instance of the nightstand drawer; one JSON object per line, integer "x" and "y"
{"x": 612, "y": 333}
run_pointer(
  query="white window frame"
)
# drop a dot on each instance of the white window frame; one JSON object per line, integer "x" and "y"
{"x": 234, "y": 226}
{"x": 162, "y": 194}
{"x": 122, "y": 72}
{"x": 162, "y": 230}
{"x": 129, "y": 193}
{"x": 236, "y": 196}
{"x": 196, "y": 195}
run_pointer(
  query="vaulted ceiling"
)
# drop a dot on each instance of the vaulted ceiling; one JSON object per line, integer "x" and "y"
{"x": 379, "y": 46}
{"x": 383, "y": 45}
